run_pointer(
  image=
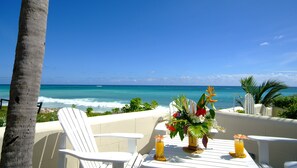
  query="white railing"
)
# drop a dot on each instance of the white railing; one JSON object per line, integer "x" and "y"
{"x": 47, "y": 135}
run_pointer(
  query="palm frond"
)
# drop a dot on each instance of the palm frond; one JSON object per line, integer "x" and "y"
{"x": 248, "y": 84}
{"x": 263, "y": 93}
{"x": 271, "y": 89}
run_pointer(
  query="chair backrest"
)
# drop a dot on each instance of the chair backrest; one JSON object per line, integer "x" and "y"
{"x": 172, "y": 108}
{"x": 192, "y": 106}
{"x": 79, "y": 133}
{"x": 249, "y": 104}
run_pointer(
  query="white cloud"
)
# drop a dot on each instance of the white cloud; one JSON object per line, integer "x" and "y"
{"x": 278, "y": 37}
{"x": 264, "y": 43}
{"x": 289, "y": 77}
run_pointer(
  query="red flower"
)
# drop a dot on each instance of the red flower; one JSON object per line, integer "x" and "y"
{"x": 175, "y": 115}
{"x": 200, "y": 111}
{"x": 170, "y": 127}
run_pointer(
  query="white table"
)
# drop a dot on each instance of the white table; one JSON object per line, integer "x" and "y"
{"x": 216, "y": 155}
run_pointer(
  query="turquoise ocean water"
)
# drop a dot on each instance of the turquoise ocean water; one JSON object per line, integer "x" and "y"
{"x": 105, "y": 97}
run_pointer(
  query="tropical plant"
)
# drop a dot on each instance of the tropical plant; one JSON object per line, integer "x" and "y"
{"x": 17, "y": 147}
{"x": 264, "y": 93}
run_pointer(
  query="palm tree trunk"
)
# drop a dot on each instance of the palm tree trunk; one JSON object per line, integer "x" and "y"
{"x": 17, "y": 148}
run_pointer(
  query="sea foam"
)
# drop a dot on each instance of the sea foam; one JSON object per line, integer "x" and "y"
{"x": 87, "y": 102}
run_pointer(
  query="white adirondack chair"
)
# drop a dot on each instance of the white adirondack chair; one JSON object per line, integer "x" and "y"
{"x": 263, "y": 149}
{"x": 249, "y": 104}
{"x": 79, "y": 133}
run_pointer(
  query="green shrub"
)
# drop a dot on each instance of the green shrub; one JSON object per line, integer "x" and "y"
{"x": 3, "y": 111}
{"x": 125, "y": 109}
{"x": 147, "y": 106}
{"x": 91, "y": 114}
{"x": 285, "y": 101}
{"x": 89, "y": 109}
{"x": 116, "y": 110}
{"x": 45, "y": 117}
{"x": 289, "y": 106}
{"x": 240, "y": 111}
{"x": 154, "y": 104}
{"x": 2, "y": 122}
{"x": 290, "y": 112}
{"x": 137, "y": 105}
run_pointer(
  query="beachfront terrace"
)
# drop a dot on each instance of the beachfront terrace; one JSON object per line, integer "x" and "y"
{"x": 48, "y": 134}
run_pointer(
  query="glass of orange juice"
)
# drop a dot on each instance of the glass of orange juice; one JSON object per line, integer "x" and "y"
{"x": 159, "y": 146}
{"x": 239, "y": 147}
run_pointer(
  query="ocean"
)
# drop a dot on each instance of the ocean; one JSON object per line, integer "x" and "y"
{"x": 105, "y": 97}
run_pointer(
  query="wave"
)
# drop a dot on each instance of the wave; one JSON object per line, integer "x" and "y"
{"x": 87, "y": 102}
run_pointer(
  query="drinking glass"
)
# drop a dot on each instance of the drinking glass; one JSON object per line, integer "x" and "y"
{"x": 239, "y": 147}
{"x": 159, "y": 146}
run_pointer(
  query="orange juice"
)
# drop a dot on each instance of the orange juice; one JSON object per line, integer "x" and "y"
{"x": 159, "y": 149}
{"x": 239, "y": 147}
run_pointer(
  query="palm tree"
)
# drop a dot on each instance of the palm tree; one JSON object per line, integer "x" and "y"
{"x": 17, "y": 147}
{"x": 264, "y": 93}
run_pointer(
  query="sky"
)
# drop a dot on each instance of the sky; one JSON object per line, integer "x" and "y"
{"x": 160, "y": 42}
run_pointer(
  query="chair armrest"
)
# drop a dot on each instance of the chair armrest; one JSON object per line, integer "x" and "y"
{"x": 132, "y": 137}
{"x": 271, "y": 139}
{"x": 121, "y": 135}
{"x": 263, "y": 148}
{"x": 99, "y": 156}
{"x": 161, "y": 126}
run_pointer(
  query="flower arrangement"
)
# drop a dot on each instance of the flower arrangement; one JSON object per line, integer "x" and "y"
{"x": 197, "y": 121}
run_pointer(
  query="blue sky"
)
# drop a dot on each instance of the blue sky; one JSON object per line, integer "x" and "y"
{"x": 166, "y": 42}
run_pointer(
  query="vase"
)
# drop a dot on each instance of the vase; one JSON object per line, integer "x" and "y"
{"x": 193, "y": 142}
{"x": 193, "y": 145}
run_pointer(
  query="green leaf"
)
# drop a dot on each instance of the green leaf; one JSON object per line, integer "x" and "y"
{"x": 196, "y": 131}
{"x": 202, "y": 101}
{"x": 181, "y": 135}
{"x": 212, "y": 113}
